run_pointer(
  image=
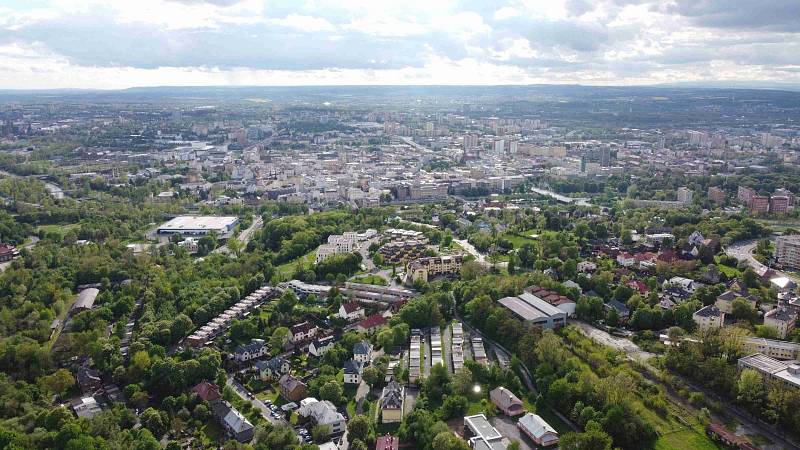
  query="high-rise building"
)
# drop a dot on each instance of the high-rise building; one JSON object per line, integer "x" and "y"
{"x": 717, "y": 195}
{"x": 605, "y": 156}
{"x": 745, "y": 195}
{"x": 499, "y": 146}
{"x": 470, "y": 141}
{"x": 787, "y": 251}
{"x": 779, "y": 204}
{"x": 685, "y": 195}
{"x": 759, "y": 204}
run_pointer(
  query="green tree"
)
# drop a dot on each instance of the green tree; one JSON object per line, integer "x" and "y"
{"x": 332, "y": 391}
{"x": 750, "y": 388}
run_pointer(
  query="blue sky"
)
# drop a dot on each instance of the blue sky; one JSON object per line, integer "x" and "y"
{"x": 117, "y": 44}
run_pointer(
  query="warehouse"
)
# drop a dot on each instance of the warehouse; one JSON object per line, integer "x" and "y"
{"x": 200, "y": 225}
{"x": 531, "y": 308}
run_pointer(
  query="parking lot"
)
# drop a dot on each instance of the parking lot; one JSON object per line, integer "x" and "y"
{"x": 508, "y": 428}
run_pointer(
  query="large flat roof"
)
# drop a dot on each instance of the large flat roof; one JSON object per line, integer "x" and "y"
{"x": 482, "y": 428}
{"x": 763, "y": 363}
{"x": 530, "y": 307}
{"x": 198, "y": 223}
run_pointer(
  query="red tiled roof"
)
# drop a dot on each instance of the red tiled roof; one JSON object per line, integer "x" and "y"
{"x": 372, "y": 321}
{"x": 351, "y": 307}
{"x": 207, "y": 391}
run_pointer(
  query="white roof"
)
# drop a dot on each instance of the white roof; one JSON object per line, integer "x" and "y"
{"x": 535, "y": 425}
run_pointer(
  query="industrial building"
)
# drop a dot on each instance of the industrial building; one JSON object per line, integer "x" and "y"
{"x": 533, "y": 309}
{"x": 787, "y": 373}
{"x": 200, "y": 225}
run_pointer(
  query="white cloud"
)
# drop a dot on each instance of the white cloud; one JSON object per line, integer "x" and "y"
{"x": 305, "y": 23}
{"x": 102, "y": 43}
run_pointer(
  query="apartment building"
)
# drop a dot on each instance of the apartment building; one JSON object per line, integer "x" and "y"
{"x": 423, "y": 269}
{"x": 787, "y": 251}
{"x": 398, "y": 252}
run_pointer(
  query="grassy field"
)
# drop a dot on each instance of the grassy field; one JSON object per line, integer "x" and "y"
{"x": 370, "y": 279}
{"x": 518, "y": 241}
{"x": 286, "y": 270}
{"x": 61, "y": 229}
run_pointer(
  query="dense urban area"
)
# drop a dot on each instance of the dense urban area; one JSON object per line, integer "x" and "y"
{"x": 442, "y": 268}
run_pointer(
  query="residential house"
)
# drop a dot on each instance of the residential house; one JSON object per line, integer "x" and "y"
{"x": 506, "y": 401}
{"x": 781, "y": 319}
{"x": 622, "y": 310}
{"x": 303, "y": 331}
{"x": 371, "y": 324}
{"x": 362, "y": 352}
{"x": 255, "y": 349}
{"x": 206, "y": 391}
{"x": 352, "y": 371}
{"x": 725, "y": 300}
{"x": 709, "y": 317}
{"x": 391, "y": 402}
{"x": 320, "y": 346}
{"x": 625, "y": 259}
{"x": 292, "y": 389}
{"x": 685, "y": 284}
{"x": 88, "y": 379}
{"x": 323, "y": 413}
{"x": 86, "y": 407}
{"x": 234, "y": 422}
{"x": 273, "y": 369}
{"x": 586, "y": 267}
{"x": 351, "y": 311}
{"x": 538, "y": 430}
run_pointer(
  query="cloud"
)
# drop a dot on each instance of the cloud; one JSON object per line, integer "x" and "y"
{"x": 781, "y": 15}
{"x": 506, "y": 41}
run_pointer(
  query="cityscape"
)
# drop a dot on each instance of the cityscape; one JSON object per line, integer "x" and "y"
{"x": 332, "y": 259}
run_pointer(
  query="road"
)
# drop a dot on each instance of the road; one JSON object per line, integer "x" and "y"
{"x": 29, "y": 246}
{"x": 244, "y": 237}
{"x": 266, "y": 413}
{"x": 743, "y": 251}
{"x": 480, "y": 257}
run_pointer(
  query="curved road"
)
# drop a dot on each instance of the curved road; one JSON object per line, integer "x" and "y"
{"x": 743, "y": 251}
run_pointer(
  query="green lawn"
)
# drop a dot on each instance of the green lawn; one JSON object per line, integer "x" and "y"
{"x": 370, "y": 279}
{"x": 286, "y": 270}
{"x": 517, "y": 240}
{"x": 685, "y": 439}
{"x": 61, "y": 229}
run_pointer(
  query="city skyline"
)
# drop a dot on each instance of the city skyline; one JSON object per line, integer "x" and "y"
{"x": 89, "y": 44}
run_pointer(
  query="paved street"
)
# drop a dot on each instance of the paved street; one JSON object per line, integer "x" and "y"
{"x": 244, "y": 237}
{"x": 242, "y": 392}
{"x": 480, "y": 257}
{"x": 743, "y": 251}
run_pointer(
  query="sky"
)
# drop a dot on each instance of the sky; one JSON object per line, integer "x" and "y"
{"x": 112, "y": 44}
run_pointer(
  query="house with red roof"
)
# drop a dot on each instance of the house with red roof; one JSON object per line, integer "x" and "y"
{"x": 207, "y": 391}
{"x": 371, "y": 324}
